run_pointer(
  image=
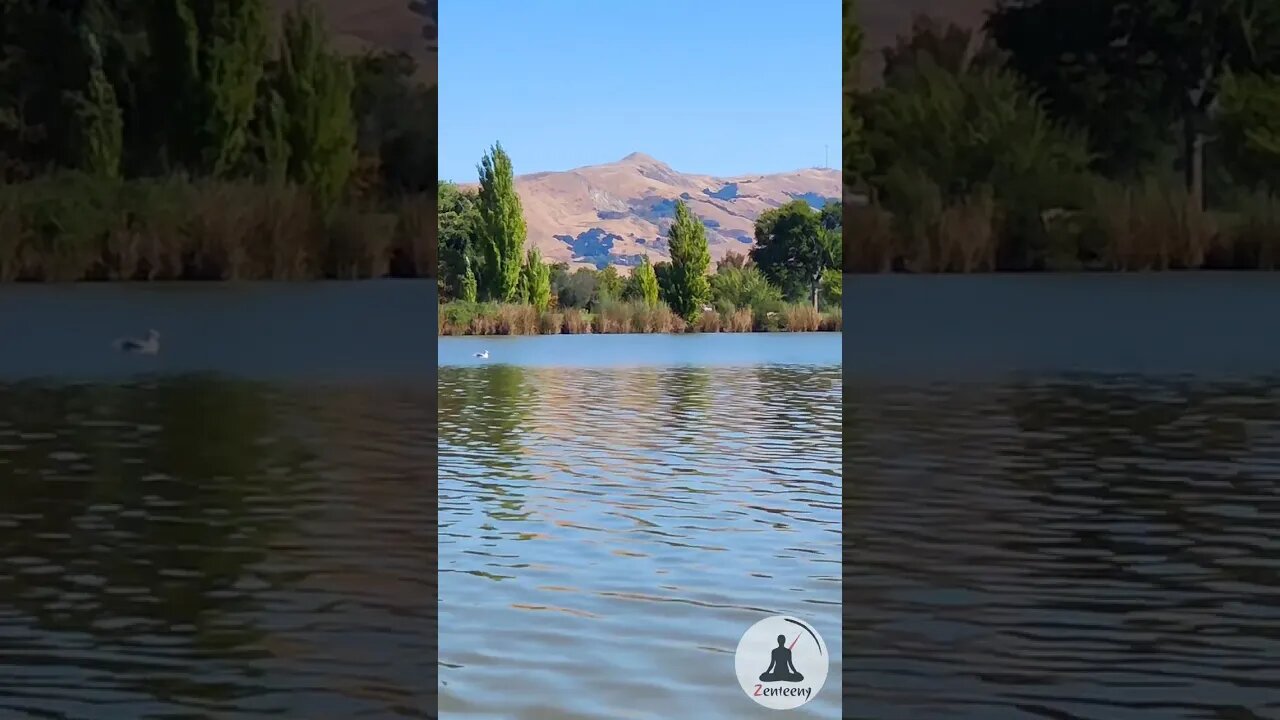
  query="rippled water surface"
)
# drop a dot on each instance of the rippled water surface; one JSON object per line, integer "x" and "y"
{"x": 1073, "y": 509}
{"x": 609, "y": 527}
{"x": 236, "y": 528}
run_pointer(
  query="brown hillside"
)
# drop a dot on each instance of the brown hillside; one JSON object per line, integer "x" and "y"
{"x": 398, "y": 25}
{"x": 884, "y": 20}
{"x": 618, "y": 211}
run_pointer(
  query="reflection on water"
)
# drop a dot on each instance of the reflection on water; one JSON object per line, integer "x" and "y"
{"x": 1088, "y": 546}
{"x": 214, "y": 547}
{"x": 607, "y": 534}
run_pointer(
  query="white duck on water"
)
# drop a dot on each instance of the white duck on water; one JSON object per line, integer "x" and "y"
{"x": 149, "y": 346}
{"x": 483, "y": 354}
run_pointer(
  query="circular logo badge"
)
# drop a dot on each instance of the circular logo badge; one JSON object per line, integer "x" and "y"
{"x": 781, "y": 662}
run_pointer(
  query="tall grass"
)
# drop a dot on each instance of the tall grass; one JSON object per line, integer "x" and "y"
{"x": 70, "y": 226}
{"x": 1148, "y": 227}
{"x": 463, "y": 318}
{"x": 801, "y": 318}
{"x": 1251, "y": 237}
{"x": 1152, "y": 227}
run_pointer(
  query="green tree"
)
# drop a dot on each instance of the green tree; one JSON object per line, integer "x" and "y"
{"x": 643, "y": 284}
{"x": 537, "y": 280}
{"x": 576, "y": 289}
{"x": 467, "y": 284}
{"x": 662, "y": 271}
{"x": 945, "y": 138}
{"x": 608, "y": 284}
{"x": 744, "y": 287}
{"x": 501, "y": 232}
{"x": 99, "y": 124}
{"x": 396, "y": 118}
{"x": 791, "y": 250}
{"x": 688, "y": 287}
{"x": 457, "y": 221}
{"x": 315, "y": 85}
{"x": 832, "y": 286}
{"x": 268, "y": 151}
{"x": 1128, "y": 72}
{"x": 1249, "y": 129}
{"x": 206, "y": 61}
{"x": 856, "y": 159}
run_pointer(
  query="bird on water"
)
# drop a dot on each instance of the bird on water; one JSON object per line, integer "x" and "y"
{"x": 483, "y": 354}
{"x": 149, "y": 346}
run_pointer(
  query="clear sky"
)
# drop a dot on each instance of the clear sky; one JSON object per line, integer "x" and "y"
{"x": 721, "y": 87}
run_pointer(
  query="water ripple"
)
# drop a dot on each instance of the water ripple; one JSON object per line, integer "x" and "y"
{"x": 1086, "y": 546}
{"x": 607, "y": 534}
{"x": 196, "y": 545}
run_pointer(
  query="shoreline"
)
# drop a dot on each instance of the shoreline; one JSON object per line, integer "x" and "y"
{"x": 464, "y": 319}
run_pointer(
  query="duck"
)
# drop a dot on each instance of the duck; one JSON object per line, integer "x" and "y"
{"x": 483, "y": 355}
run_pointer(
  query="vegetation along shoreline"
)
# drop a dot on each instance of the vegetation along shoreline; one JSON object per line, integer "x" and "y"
{"x": 1035, "y": 143}
{"x": 130, "y": 151}
{"x": 491, "y": 283}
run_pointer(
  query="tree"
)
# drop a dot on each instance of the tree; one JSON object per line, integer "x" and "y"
{"x": 666, "y": 284}
{"x": 268, "y": 152}
{"x": 1249, "y": 129}
{"x": 790, "y": 250}
{"x": 537, "y": 280}
{"x": 467, "y": 284}
{"x": 856, "y": 160}
{"x": 501, "y": 231}
{"x": 315, "y": 86}
{"x": 688, "y": 287}
{"x": 100, "y": 127}
{"x": 396, "y": 117}
{"x": 945, "y": 138}
{"x": 832, "y": 286}
{"x": 576, "y": 289}
{"x": 643, "y": 284}
{"x": 745, "y": 287}
{"x": 1130, "y": 71}
{"x": 207, "y": 59}
{"x": 609, "y": 284}
{"x": 457, "y": 221}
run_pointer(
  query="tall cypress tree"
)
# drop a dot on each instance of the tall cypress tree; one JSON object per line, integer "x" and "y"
{"x": 690, "y": 258}
{"x": 315, "y": 86}
{"x": 99, "y": 126}
{"x": 207, "y": 57}
{"x": 502, "y": 228}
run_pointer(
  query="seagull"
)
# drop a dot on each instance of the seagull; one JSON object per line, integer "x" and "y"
{"x": 483, "y": 354}
{"x": 150, "y": 346}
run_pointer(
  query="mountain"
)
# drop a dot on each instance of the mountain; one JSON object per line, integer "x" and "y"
{"x": 616, "y": 212}
{"x": 884, "y": 20}
{"x": 375, "y": 25}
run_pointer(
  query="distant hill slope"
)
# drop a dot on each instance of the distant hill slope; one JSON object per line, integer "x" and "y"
{"x": 398, "y": 25}
{"x": 616, "y": 212}
{"x": 884, "y": 20}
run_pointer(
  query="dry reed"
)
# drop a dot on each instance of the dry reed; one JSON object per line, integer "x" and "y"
{"x": 800, "y": 318}
{"x": 70, "y": 226}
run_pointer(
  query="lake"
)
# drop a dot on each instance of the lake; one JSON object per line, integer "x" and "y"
{"x": 236, "y": 527}
{"x": 1064, "y": 497}
{"x": 616, "y": 510}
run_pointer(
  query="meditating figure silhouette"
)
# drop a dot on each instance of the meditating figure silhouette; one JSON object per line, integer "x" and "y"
{"x": 780, "y": 667}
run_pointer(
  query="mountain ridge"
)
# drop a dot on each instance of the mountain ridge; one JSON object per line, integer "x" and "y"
{"x": 617, "y": 212}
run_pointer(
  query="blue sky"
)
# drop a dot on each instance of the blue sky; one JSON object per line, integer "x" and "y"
{"x": 722, "y": 87}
